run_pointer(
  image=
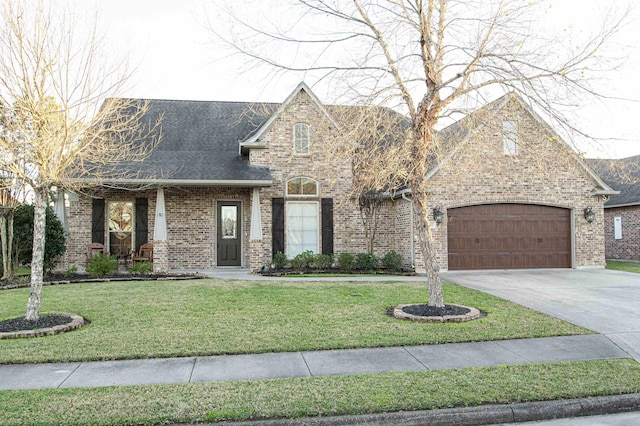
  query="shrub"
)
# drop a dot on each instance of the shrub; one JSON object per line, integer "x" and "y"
{"x": 322, "y": 261}
{"x": 366, "y": 262}
{"x": 280, "y": 260}
{"x": 392, "y": 261}
{"x": 54, "y": 246}
{"x": 72, "y": 270}
{"x": 139, "y": 268}
{"x": 100, "y": 265}
{"x": 303, "y": 261}
{"x": 346, "y": 261}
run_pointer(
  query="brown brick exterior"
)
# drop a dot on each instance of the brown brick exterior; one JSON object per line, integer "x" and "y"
{"x": 543, "y": 172}
{"x": 479, "y": 172}
{"x": 627, "y": 248}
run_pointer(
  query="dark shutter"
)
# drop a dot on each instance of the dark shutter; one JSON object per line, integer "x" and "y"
{"x": 277, "y": 225}
{"x": 142, "y": 227}
{"x": 327, "y": 226}
{"x": 97, "y": 221}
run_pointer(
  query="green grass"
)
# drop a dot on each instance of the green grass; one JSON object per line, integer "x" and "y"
{"x": 623, "y": 266}
{"x": 205, "y": 317}
{"x": 23, "y": 270}
{"x": 319, "y": 396}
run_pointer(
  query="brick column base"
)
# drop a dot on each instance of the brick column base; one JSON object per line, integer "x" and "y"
{"x": 160, "y": 256}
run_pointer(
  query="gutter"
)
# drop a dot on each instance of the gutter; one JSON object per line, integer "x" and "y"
{"x": 180, "y": 182}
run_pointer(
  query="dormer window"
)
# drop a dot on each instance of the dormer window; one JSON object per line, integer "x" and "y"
{"x": 301, "y": 138}
{"x": 510, "y": 138}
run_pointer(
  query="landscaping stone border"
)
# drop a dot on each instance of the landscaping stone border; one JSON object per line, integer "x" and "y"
{"x": 76, "y": 322}
{"x": 473, "y": 314}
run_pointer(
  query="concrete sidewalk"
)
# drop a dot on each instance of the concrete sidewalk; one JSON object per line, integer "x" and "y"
{"x": 307, "y": 364}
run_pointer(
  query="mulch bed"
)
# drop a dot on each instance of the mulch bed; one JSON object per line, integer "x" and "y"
{"x": 19, "y": 324}
{"x": 54, "y": 279}
{"x": 425, "y": 310}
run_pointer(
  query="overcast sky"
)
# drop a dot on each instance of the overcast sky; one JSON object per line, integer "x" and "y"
{"x": 177, "y": 57}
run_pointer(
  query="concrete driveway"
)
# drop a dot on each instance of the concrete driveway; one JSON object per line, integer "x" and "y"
{"x": 601, "y": 300}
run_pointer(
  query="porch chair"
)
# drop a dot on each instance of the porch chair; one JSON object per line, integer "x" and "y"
{"x": 144, "y": 255}
{"x": 95, "y": 248}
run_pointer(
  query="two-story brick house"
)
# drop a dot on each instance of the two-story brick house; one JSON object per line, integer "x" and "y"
{"x": 237, "y": 182}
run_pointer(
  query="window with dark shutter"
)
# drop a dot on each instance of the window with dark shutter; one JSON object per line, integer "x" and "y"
{"x": 142, "y": 227}
{"x": 97, "y": 221}
{"x": 277, "y": 225}
{"x": 327, "y": 226}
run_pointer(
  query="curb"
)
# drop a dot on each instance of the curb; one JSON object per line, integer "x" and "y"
{"x": 470, "y": 416}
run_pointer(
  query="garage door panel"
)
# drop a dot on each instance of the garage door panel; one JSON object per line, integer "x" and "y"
{"x": 509, "y": 236}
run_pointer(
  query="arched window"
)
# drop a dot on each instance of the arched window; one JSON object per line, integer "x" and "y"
{"x": 302, "y": 186}
{"x": 301, "y": 138}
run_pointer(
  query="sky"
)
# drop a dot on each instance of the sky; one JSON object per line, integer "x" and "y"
{"x": 176, "y": 56}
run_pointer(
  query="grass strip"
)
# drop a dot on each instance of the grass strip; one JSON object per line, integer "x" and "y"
{"x": 623, "y": 266}
{"x": 155, "y": 319}
{"x": 319, "y": 396}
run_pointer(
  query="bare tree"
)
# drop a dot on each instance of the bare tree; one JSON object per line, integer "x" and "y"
{"x": 52, "y": 79}
{"x": 428, "y": 58}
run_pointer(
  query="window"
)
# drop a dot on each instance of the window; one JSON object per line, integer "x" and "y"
{"x": 302, "y": 227}
{"x": 302, "y": 187}
{"x": 301, "y": 138}
{"x": 120, "y": 227}
{"x": 617, "y": 227}
{"x": 510, "y": 138}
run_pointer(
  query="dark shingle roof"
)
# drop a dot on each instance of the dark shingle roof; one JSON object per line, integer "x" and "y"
{"x": 200, "y": 141}
{"x": 622, "y": 175}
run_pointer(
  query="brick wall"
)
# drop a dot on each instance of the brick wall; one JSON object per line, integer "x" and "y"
{"x": 627, "y": 248}
{"x": 543, "y": 172}
{"x": 333, "y": 177}
{"x": 191, "y": 224}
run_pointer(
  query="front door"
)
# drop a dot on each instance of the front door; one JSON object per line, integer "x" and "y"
{"x": 229, "y": 233}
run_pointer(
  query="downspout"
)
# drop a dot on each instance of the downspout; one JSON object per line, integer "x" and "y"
{"x": 413, "y": 263}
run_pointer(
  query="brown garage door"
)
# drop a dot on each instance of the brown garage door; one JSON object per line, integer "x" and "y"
{"x": 509, "y": 236}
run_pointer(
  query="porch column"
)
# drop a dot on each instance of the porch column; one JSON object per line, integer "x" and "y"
{"x": 255, "y": 235}
{"x": 160, "y": 245}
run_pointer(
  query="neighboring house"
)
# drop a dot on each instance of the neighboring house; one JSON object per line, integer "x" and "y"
{"x": 622, "y": 212}
{"x": 237, "y": 182}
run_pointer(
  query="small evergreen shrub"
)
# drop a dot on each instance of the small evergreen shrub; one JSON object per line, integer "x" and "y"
{"x": 280, "y": 260}
{"x": 140, "y": 268}
{"x": 392, "y": 261}
{"x": 71, "y": 271}
{"x": 366, "y": 262}
{"x": 346, "y": 261}
{"x": 322, "y": 261}
{"x": 303, "y": 261}
{"x": 100, "y": 265}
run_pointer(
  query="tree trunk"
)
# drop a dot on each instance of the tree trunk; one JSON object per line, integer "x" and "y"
{"x": 425, "y": 240}
{"x": 6, "y": 234}
{"x": 37, "y": 258}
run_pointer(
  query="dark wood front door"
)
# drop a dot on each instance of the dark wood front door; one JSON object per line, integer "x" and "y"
{"x": 229, "y": 233}
{"x": 509, "y": 236}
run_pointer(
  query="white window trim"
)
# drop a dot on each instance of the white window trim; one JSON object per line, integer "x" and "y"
{"x": 617, "y": 227}
{"x": 286, "y": 225}
{"x": 308, "y": 150}
{"x": 286, "y": 188}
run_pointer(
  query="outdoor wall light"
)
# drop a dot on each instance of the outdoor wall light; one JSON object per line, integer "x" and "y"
{"x": 589, "y": 214}
{"x": 438, "y": 216}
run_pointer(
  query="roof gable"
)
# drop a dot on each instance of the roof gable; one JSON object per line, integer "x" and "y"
{"x": 458, "y": 134}
{"x": 254, "y": 140}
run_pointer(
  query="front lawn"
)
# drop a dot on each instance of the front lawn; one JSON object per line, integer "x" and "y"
{"x": 620, "y": 265}
{"x": 319, "y": 396}
{"x": 206, "y": 317}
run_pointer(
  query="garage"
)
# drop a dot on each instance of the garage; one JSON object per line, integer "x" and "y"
{"x": 509, "y": 236}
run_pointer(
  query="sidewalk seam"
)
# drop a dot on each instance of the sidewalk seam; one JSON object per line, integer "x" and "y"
{"x": 69, "y": 375}
{"x": 193, "y": 367}
{"x": 306, "y": 364}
